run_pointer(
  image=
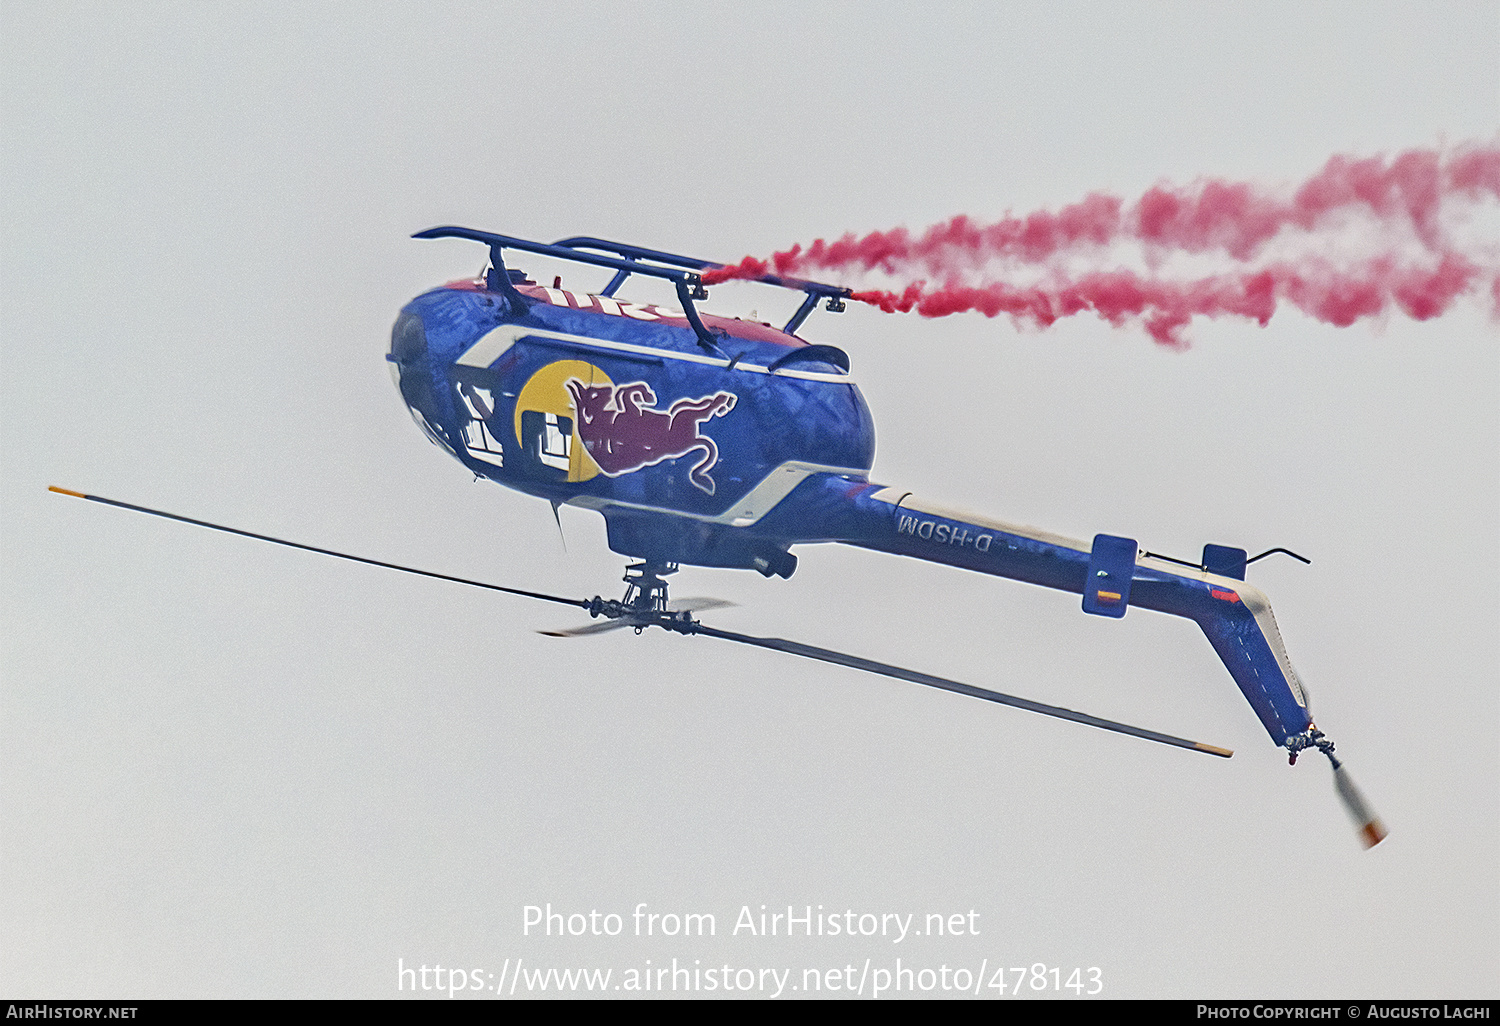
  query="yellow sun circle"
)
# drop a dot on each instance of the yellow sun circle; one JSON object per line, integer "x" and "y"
{"x": 546, "y": 392}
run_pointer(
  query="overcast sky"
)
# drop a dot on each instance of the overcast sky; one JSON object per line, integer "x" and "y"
{"x": 228, "y": 769}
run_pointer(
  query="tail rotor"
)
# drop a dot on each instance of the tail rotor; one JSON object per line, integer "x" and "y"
{"x": 1371, "y": 830}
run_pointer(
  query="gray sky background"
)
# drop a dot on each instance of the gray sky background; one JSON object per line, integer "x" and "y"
{"x": 233, "y": 770}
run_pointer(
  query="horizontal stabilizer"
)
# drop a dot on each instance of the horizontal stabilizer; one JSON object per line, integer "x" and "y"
{"x": 1106, "y": 592}
{"x": 1224, "y": 561}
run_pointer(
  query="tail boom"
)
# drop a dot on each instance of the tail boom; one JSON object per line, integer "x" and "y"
{"x": 1235, "y": 616}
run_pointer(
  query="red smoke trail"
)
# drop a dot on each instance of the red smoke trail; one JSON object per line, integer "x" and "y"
{"x": 1335, "y": 297}
{"x": 1237, "y": 220}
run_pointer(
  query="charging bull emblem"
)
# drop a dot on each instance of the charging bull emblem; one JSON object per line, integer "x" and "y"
{"x": 622, "y": 432}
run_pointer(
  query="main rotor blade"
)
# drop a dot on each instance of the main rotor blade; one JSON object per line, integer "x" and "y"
{"x": 776, "y": 644}
{"x": 914, "y": 677}
{"x": 593, "y": 628}
{"x": 696, "y": 604}
{"x": 581, "y": 603}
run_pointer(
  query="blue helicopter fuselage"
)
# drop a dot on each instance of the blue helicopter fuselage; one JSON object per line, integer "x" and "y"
{"x": 617, "y": 407}
{"x": 725, "y": 442}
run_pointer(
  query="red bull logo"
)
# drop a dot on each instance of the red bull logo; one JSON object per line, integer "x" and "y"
{"x": 622, "y": 431}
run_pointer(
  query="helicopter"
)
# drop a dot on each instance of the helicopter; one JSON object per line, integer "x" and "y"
{"x": 724, "y": 442}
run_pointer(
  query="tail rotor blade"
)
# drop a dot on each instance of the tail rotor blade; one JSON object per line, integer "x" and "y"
{"x": 1371, "y": 830}
{"x": 914, "y": 677}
